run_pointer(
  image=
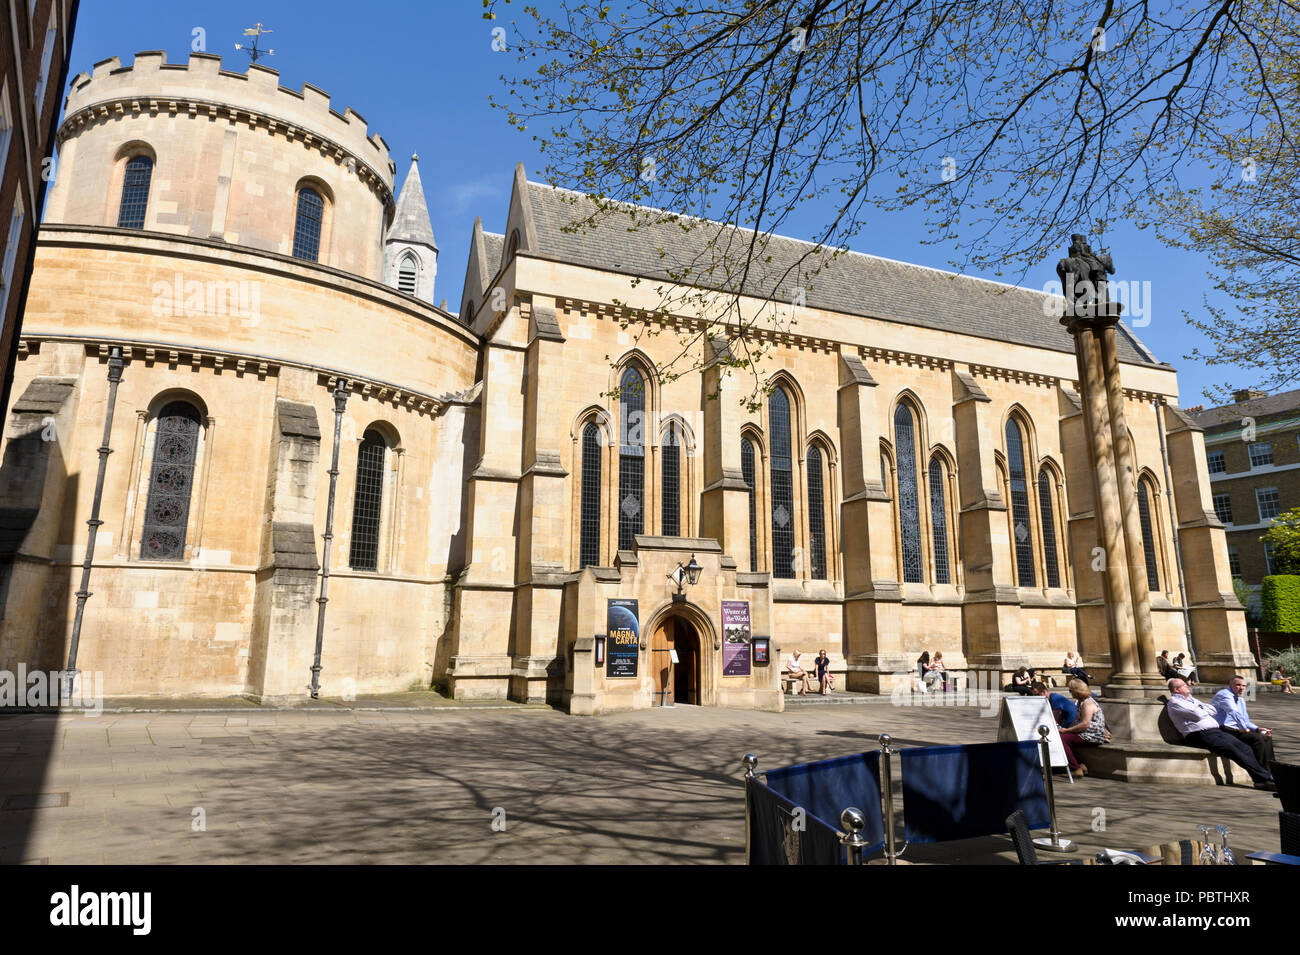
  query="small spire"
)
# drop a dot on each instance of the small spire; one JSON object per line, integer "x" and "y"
{"x": 415, "y": 157}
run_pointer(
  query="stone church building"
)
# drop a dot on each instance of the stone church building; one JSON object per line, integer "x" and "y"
{"x": 229, "y": 297}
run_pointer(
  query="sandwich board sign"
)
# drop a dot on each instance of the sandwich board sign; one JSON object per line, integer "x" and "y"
{"x": 1020, "y": 718}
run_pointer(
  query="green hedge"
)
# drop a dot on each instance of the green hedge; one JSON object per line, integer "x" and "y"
{"x": 1280, "y": 604}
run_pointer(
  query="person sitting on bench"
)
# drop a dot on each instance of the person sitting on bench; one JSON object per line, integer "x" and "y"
{"x": 1088, "y": 730}
{"x": 1074, "y": 666}
{"x": 1021, "y": 681}
{"x": 1064, "y": 710}
{"x": 1199, "y": 725}
{"x": 1230, "y": 708}
{"x": 798, "y": 674}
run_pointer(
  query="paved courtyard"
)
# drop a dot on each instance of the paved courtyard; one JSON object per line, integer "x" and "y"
{"x": 349, "y": 785}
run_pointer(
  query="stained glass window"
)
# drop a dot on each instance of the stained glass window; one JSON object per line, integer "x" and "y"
{"x": 1022, "y": 530}
{"x": 909, "y": 506}
{"x": 778, "y": 415}
{"x": 135, "y": 192}
{"x": 589, "y": 519}
{"x": 816, "y": 515}
{"x": 939, "y": 523}
{"x": 171, "y": 480}
{"x": 747, "y": 472}
{"x": 366, "y": 502}
{"x": 631, "y": 459}
{"x": 1148, "y": 538}
{"x": 306, "y": 229}
{"x": 1047, "y": 512}
{"x": 672, "y": 484}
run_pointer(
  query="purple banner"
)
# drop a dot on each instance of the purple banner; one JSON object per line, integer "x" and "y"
{"x": 735, "y": 638}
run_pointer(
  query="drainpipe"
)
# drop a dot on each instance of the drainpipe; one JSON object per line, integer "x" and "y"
{"x": 1159, "y": 405}
{"x": 114, "y": 379}
{"x": 341, "y": 387}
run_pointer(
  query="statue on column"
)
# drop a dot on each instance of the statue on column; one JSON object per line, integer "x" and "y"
{"x": 1083, "y": 276}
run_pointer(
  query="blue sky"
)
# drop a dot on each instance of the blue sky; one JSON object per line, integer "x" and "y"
{"x": 421, "y": 73}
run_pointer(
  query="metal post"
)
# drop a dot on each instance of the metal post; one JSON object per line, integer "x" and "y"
{"x": 83, "y": 594}
{"x": 1052, "y": 842}
{"x": 750, "y": 762}
{"x": 854, "y": 822}
{"x": 887, "y": 791}
{"x": 341, "y": 387}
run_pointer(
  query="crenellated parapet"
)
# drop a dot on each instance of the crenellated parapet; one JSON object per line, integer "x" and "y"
{"x": 227, "y": 156}
{"x": 201, "y": 87}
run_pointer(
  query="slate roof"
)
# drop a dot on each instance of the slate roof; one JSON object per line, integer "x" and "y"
{"x": 853, "y": 283}
{"x": 1257, "y": 408}
{"x": 411, "y": 221}
{"x": 493, "y": 246}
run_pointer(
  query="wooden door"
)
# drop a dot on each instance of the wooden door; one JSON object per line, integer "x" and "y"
{"x": 660, "y": 662}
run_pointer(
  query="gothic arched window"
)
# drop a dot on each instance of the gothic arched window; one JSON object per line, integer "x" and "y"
{"x": 1022, "y": 530}
{"x": 589, "y": 518}
{"x": 631, "y": 458}
{"x": 939, "y": 522}
{"x": 747, "y": 472}
{"x": 672, "y": 483}
{"x": 1048, "y": 514}
{"x": 367, "y": 501}
{"x": 135, "y": 192}
{"x": 778, "y": 415}
{"x": 816, "y": 515}
{"x": 909, "y": 504}
{"x": 406, "y": 274}
{"x": 1148, "y": 537}
{"x": 307, "y": 226}
{"x": 171, "y": 480}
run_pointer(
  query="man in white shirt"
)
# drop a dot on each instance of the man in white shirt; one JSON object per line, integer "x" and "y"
{"x": 1199, "y": 725}
{"x": 1230, "y": 708}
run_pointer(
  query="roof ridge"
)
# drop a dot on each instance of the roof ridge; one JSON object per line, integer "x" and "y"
{"x": 807, "y": 242}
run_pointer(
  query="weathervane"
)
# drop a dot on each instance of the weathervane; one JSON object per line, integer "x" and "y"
{"x": 256, "y": 33}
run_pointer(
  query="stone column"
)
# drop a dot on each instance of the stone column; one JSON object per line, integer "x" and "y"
{"x": 724, "y": 501}
{"x": 537, "y": 672}
{"x": 481, "y": 659}
{"x": 873, "y": 615}
{"x": 284, "y": 612}
{"x": 1084, "y": 535}
{"x": 1126, "y": 472}
{"x": 1125, "y": 677}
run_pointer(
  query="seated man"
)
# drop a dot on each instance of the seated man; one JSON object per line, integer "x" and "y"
{"x": 1197, "y": 723}
{"x": 1230, "y": 710}
{"x": 1065, "y": 711}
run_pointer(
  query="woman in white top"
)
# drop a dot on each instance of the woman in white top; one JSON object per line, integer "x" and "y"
{"x": 1074, "y": 666}
{"x": 798, "y": 673}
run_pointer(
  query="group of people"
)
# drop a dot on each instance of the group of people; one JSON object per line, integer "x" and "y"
{"x": 1024, "y": 679}
{"x": 804, "y": 678}
{"x": 932, "y": 671}
{"x": 1222, "y": 726}
{"x": 1178, "y": 667}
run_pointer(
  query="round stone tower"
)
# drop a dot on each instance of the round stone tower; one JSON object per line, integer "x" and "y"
{"x": 229, "y": 156}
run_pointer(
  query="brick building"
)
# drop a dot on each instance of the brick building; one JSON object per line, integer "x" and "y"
{"x": 1252, "y": 450}
{"x": 35, "y": 37}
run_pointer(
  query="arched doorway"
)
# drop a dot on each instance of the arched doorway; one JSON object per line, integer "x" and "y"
{"x": 675, "y": 681}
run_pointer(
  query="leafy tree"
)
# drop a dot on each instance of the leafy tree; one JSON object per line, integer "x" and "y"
{"x": 1284, "y": 538}
{"x": 1246, "y": 221}
{"x": 1011, "y": 124}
